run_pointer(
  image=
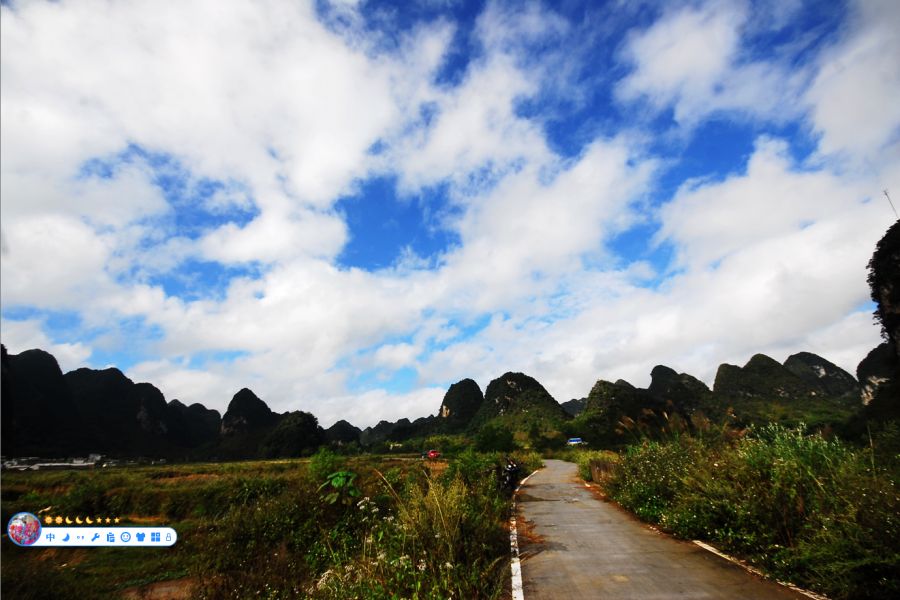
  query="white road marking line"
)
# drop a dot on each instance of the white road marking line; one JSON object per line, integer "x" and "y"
{"x": 756, "y": 571}
{"x": 516, "y": 565}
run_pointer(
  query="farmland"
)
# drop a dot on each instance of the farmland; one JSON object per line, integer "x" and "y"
{"x": 328, "y": 527}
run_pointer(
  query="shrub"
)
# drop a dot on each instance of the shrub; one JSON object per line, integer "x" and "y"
{"x": 808, "y": 509}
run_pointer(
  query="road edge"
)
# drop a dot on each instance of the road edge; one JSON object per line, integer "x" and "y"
{"x": 731, "y": 559}
{"x": 759, "y": 573}
{"x": 516, "y": 564}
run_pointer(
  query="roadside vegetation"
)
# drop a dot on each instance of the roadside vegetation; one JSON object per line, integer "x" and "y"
{"x": 330, "y": 527}
{"x": 582, "y": 457}
{"x": 801, "y": 505}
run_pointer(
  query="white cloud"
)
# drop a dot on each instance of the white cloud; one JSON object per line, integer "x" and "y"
{"x": 395, "y": 356}
{"x": 215, "y": 384}
{"x": 369, "y": 408}
{"x": 709, "y": 221}
{"x": 19, "y": 336}
{"x": 692, "y": 59}
{"x": 855, "y": 94}
{"x": 274, "y": 236}
{"x": 53, "y": 261}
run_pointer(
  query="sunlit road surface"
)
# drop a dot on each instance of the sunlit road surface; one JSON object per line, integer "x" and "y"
{"x": 574, "y": 545}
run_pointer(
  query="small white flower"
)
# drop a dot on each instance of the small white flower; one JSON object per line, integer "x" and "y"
{"x": 324, "y": 580}
{"x": 448, "y": 566}
{"x": 421, "y": 565}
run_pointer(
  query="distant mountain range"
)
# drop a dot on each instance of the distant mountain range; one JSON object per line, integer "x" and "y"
{"x": 50, "y": 414}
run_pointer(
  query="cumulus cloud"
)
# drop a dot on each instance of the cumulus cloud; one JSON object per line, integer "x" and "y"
{"x": 19, "y": 336}
{"x": 854, "y": 95}
{"x": 693, "y": 60}
{"x": 53, "y": 261}
{"x": 141, "y": 136}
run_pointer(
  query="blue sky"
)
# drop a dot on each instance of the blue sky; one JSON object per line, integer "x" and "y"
{"x": 347, "y": 206}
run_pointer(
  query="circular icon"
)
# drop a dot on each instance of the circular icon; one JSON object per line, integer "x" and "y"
{"x": 24, "y": 529}
{"x": 125, "y": 536}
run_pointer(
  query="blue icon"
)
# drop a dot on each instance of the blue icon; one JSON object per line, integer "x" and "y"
{"x": 168, "y": 537}
{"x": 154, "y": 536}
{"x": 110, "y": 537}
{"x": 79, "y": 537}
{"x": 96, "y": 535}
{"x": 49, "y": 537}
{"x": 125, "y": 536}
{"x": 140, "y": 536}
{"x": 66, "y": 539}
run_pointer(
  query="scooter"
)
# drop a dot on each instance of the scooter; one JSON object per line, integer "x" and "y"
{"x": 509, "y": 477}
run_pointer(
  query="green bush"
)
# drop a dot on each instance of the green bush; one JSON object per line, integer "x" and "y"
{"x": 323, "y": 463}
{"x": 808, "y": 509}
{"x": 583, "y": 457}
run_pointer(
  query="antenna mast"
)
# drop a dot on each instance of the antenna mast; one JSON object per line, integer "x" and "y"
{"x": 892, "y": 204}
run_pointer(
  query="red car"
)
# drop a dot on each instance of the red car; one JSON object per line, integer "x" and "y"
{"x": 430, "y": 454}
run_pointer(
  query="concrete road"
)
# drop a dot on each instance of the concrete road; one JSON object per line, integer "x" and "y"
{"x": 573, "y": 545}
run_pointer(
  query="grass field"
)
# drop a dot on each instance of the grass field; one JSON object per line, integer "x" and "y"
{"x": 324, "y": 528}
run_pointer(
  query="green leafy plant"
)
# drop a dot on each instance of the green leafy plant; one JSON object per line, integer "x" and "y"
{"x": 324, "y": 462}
{"x": 342, "y": 482}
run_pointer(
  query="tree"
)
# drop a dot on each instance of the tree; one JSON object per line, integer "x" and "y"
{"x": 493, "y": 438}
{"x": 536, "y": 438}
{"x": 296, "y": 434}
{"x": 884, "y": 281}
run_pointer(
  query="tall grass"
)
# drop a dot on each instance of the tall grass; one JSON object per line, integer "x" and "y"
{"x": 408, "y": 529}
{"x": 811, "y": 510}
{"x": 583, "y": 457}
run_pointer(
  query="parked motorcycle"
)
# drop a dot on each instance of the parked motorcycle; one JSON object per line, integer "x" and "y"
{"x": 509, "y": 476}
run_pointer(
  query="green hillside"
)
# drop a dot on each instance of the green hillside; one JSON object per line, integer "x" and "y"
{"x": 517, "y": 401}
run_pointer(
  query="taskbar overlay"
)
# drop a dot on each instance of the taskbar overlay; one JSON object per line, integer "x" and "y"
{"x": 106, "y": 536}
